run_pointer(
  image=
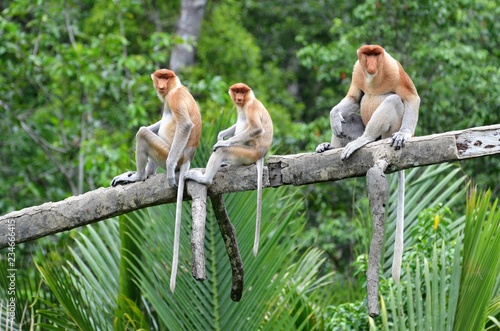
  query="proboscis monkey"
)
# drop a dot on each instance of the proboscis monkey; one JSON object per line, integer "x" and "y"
{"x": 387, "y": 102}
{"x": 170, "y": 143}
{"x": 248, "y": 142}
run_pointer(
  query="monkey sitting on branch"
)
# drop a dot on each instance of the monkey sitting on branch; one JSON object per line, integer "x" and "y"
{"x": 248, "y": 141}
{"x": 170, "y": 143}
{"x": 382, "y": 102}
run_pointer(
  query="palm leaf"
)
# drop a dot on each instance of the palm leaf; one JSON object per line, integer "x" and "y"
{"x": 279, "y": 294}
{"x": 421, "y": 304}
{"x": 85, "y": 287}
{"x": 207, "y": 305}
{"x": 454, "y": 294}
{"x": 425, "y": 189}
{"x": 480, "y": 261}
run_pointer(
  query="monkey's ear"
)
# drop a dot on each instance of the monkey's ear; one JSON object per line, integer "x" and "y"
{"x": 153, "y": 77}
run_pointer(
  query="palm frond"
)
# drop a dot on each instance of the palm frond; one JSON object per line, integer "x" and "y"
{"x": 420, "y": 304}
{"x": 425, "y": 188}
{"x": 457, "y": 293}
{"x": 480, "y": 261}
{"x": 207, "y": 305}
{"x": 86, "y": 287}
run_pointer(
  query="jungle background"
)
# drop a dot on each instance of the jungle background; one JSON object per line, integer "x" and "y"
{"x": 75, "y": 87}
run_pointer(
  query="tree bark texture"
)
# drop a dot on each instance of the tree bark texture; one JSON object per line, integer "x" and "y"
{"x": 188, "y": 27}
{"x": 378, "y": 191}
{"x": 298, "y": 169}
{"x": 198, "y": 193}
{"x": 233, "y": 252}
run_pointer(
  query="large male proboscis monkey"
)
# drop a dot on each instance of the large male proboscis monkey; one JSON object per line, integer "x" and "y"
{"x": 170, "y": 143}
{"x": 248, "y": 142}
{"x": 387, "y": 102}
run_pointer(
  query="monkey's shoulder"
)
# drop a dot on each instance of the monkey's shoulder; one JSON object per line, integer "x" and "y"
{"x": 261, "y": 110}
{"x": 179, "y": 99}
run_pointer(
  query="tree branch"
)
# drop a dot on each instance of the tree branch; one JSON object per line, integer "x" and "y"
{"x": 299, "y": 169}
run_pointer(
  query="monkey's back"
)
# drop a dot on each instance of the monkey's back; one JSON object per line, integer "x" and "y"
{"x": 178, "y": 104}
{"x": 266, "y": 139}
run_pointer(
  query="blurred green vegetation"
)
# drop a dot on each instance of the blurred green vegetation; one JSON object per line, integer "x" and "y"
{"x": 75, "y": 87}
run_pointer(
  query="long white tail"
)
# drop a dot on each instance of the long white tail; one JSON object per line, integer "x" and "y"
{"x": 178, "y": 217}
{"x": 399, "y": 237}
{"x": 260, "y": 169}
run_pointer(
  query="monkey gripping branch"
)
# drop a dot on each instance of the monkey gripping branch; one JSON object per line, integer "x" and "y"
{"x": 299, "y": 169}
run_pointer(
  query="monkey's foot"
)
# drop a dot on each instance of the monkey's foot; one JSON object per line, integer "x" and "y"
{"x": 197, "y": 176}
{"x": 355, "y": 145}
{"x": 349, "y": 149}
{"x": 323, "y": 147}
{"x": 126, "y": 178}
{"x": 171, "y": 180}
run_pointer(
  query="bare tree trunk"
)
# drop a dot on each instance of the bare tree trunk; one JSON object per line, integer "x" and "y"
{"x": 378, "y": 190}
{"x": 188, "y": 27}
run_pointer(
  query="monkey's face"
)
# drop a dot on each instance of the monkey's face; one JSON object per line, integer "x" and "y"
{"x": 370, "y": 58}
{"x": 239, "y": 93}
{"x": 161, "y": 86}
{"x": 161, "y": 79}
{"x": 239, "y": 97}
{"x": 371, "y": 64}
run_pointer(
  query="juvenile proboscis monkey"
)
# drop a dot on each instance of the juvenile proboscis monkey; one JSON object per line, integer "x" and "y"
{"x": 248, "y": 142}
{"x": 170, "y": 143}
{"x": 387, "y": 102}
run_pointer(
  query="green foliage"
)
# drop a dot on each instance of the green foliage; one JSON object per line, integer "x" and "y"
{"x": 450, "y": 49}
{"x": 452, "y": 294}
{"x": 76, "y": 88}
{"x": 481, "y": 266}
{"x": 226, "y": 48}
{"x": 347, "y": 316}
{"x": 431, "y": 191}
{"x": 85, "y": 286}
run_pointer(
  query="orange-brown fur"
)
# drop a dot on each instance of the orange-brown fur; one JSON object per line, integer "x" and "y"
{"x": 388, "y": 105}
{"x": 377, "y": 74}
{"x": 258, "y": 122}
{"x": 169, "y": 143}
{"x": 182, "y": 105}
{"x": 244, "y": 143}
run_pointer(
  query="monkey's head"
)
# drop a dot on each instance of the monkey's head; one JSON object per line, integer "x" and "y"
{"x": 162, "y": 81}
{"x": 370, "y": 58}
{"x": 240, "y": 93}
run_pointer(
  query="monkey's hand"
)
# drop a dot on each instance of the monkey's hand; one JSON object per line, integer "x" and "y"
{"x": 323, "y": 147}
{"x": 126, "y": 178}
{"x": 336, "y": 122}
{"x": 399, "y": 138}
{"x": 220, "y": 143}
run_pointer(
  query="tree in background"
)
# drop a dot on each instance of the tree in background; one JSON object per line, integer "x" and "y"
{"x": 75, "y": 87}
{"x": 188, "y": 28}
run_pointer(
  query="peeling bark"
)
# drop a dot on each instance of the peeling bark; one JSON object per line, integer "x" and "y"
{"x": 378, "y": 190}
{"x": 199, "y": 214}
{"x": 229, "y": 235}
{"x": 299, "y": 169}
